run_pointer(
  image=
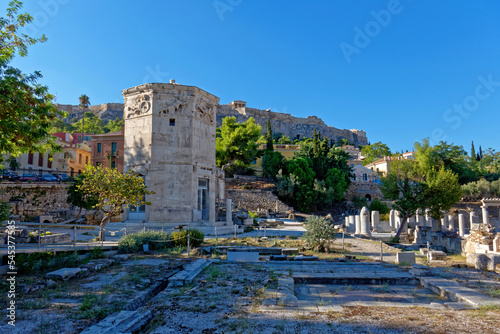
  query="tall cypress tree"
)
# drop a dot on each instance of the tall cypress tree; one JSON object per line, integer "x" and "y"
{"x": 325, "y": 147}
{"x": 316, "y": 147}
{"x": 269, "y": 136}
{"x": 472, "y": 151}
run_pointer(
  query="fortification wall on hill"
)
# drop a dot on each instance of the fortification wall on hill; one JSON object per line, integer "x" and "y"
{"x": 290, "y": 125}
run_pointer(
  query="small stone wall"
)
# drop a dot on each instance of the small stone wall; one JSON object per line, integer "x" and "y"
{"x": 254, "y": 200}
{"x": 34, "y": 199}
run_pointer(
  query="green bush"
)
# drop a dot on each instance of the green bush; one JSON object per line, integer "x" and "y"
{"x": 318, "y": 232}
{"x": 377, "y": 205}
{"x": 384, "y": 217}
{"x": 31, "y": 263}
{"x": 180, "y": 237}
{"x": 132, "y": 243}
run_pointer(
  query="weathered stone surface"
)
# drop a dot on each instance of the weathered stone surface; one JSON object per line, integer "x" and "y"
{"x": 407, "y": 258}
{"x": 35, "y": 199}
{"x": 255, "y": 200}
{"x": 242, "y": 256}
{"x": 437, "y": 255}
{"x": 62, "y": 274}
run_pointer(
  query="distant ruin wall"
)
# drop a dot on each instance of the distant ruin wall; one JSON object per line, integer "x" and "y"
{"x": 285, "y": 123}
{"x": 290, "y": 125}
{"x": 34, "y": 199}
{"x": 255, "y": 200}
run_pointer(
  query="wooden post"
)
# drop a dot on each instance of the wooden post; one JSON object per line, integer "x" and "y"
{"x": 189, "y": 243}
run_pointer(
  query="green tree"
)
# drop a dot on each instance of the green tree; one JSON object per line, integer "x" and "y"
{"x": 411, "y": 189}
{"x": 90, "y": 124}
{"x": 342, "y": 142}
{"x": 406, "y": 187}
{"x": 113, "y": 190}
{"x": 237, "y": 143}
{"x": 325, "y": 147}
{"x": 284, "y": 140}
{"x": 272, "y": 162}
{"x": 77, "y": 197}
{"x": 269, "y": 137}
{"x": 377, "y": 205}
{"x": 318, "y": 233}
{"x": 5, "y": 211}
{"x": 26, "y": 110}
{"x": 448, "y": 156}
{"x": 337, "y": 181}
{"x": 472, "y": 152}
{"x": 84, "y": 104}
{"x": 316, "y": 145}
{"x": 304, "y": 174}
{"x": 114, "y": 125}
{"x": 375, "y": 152}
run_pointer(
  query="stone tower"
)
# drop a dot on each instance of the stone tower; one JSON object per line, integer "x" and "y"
{"x": 170, "y": 141}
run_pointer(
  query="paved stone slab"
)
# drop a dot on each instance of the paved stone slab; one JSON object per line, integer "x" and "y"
{"x": 189, "y": 273}
{"x": 457, "y": 292}
{"x": 64, "y": 273}
{"x": 459, "y": 306}
{"x": 242, "y": 256}
{"x": 122, "y": 322}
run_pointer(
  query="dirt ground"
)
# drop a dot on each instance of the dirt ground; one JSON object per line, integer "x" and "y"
{"x": 228, "y": 298}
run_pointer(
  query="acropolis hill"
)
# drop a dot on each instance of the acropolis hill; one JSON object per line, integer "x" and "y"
{"x": 285, "y": 123}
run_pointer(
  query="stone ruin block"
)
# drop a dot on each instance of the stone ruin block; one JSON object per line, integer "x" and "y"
{"x": 407, "y": 258}
{"x": 437, "y": 255}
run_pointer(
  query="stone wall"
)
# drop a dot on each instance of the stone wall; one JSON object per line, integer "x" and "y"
{"x": 290, "y": 125}
{"x": 281, "y": 122}
{"x": 361, "y": 189}
{"x": 34, "y": 199}
{"x": 255, "y": 200}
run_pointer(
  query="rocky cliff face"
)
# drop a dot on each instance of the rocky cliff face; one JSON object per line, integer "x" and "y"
{"x": 105, "y": 111}
{"x": 281, "y": 122}
{"x": 291, "y": 126}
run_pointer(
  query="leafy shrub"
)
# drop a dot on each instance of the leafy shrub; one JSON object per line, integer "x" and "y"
{"x": 384, "y": 217}
{"x": 359, "y": 202}
{"x": 132, "y": 243}
{"x": 377, "y": 205}
{"x": 180, "y": 237}
{"x": 318, "y": 232}
{"x": 5, "y": 211}
{"x": 45, "y": 262}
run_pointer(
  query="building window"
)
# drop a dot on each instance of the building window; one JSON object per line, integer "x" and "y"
{"x": 40, "y": 159}
{"x": 99, "y": 148}
{"x": 365, "y": 177}
{"x": 113, "y": 164}
{"x": 49, "y": 161}
{"x": 79, "y": 158}
{"x": 113, "y": 148}
{"x": 30, "y": 158}
{"x": 86, "y": 160}
{"x": 172, "y": 122}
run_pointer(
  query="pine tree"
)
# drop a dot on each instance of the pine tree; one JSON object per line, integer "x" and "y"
{"x": 472, "y": 151}
{"x": 480, "y": 153}
{"x": 269, "y": 136}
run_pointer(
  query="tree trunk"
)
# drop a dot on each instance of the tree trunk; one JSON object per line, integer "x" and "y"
{"x": 403, "y": 223}
{"x": 104, "y": 221}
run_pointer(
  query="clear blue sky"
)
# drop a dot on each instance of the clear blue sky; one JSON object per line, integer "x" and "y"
{"x": 393, "y": 68}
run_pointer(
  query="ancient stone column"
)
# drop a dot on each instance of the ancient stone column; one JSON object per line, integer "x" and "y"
{"x": 411, "y": 221}
{"x": 211, "y": 212}
{"x": 397, "y": 220}
{"x": 472, "y": 218}
{"x": 485, "y": 214}
{"x": 375, "y": 219}
{"x": 346, "y": 223}
{"x": 428, "y": 219}
{"x": 444, "y": 222}
{"x": 358, "y": 225}
{"x": 461, "y": 225}
{"x": 451, "y": 223}
{"x": 436, "y": 225}
{"x": 352, "y": 224}
{"x": 229, "y": 212}
{"x": 391, "y": 219}
{"x": 419, "y": 219}
{"x": 365, "y": 222}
